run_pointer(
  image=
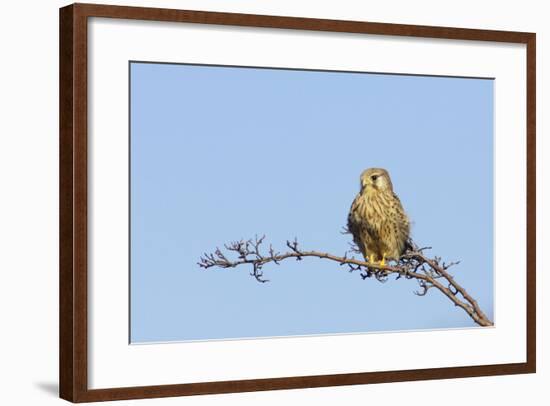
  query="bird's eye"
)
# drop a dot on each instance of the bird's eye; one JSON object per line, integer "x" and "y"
{"x": 374, "y": 177}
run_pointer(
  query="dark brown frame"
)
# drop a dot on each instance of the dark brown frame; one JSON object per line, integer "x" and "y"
{"x": 73, "y": 362}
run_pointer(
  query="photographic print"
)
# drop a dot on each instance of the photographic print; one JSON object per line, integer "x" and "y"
{"x": 259, "y": 202}
{"x": 273, "y": 202}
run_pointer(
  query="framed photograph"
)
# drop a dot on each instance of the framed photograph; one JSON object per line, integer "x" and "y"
{"x": 253, "y": 202}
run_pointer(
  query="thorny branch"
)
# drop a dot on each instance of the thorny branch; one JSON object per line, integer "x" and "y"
{"x": 414, "y": 264}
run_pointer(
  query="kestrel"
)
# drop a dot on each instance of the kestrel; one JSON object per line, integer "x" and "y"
{"x": 377, "y": 221}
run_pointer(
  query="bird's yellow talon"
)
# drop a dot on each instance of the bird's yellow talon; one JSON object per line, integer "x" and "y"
{"x": 383, "y": 262}
{"x": 371, "y": 258}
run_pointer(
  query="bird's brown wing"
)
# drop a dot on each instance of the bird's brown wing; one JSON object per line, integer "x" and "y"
{"x": 403, "y": 225}
{"x": 354, "y": 226}
{"x": 363, "y": 233}
{"x": 355, "y": 230}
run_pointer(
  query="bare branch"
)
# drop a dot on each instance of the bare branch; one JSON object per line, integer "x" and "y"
{"x": 414, "y": 264}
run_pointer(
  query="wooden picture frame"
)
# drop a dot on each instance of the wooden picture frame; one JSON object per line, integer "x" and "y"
{"x": 74, "y": 201}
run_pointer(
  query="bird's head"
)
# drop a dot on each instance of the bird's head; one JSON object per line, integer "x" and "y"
{"x": 376, "y": 179}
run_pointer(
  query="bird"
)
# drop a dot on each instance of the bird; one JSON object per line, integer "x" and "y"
{"x": 377, "y": 220}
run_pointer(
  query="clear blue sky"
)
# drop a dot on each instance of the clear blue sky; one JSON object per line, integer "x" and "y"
{"x": 224, "y": 153}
